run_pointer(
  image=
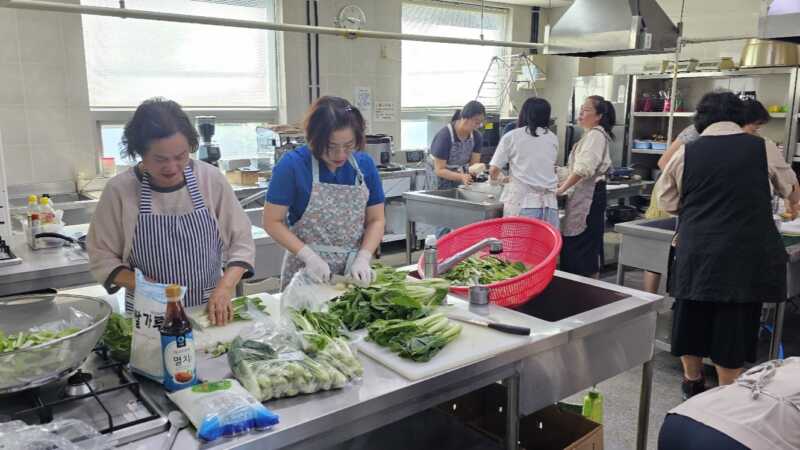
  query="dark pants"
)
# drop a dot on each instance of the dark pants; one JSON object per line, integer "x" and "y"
{"x": 683, "y": 433}
{"x": 583, "y": 254}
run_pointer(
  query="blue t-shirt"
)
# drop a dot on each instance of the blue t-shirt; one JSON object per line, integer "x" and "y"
{"x": 290, "y": 184}
{"x": 442, "y": 143}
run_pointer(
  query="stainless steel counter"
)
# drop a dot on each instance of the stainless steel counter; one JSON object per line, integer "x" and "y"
{"x": 644, "y": 244}
{"x": 583, "y": 331}
{"x": 58, "y": 268}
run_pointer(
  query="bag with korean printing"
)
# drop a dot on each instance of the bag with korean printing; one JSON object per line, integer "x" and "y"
{"x": 149, "y": 307}
{"x": 222, "y": 409}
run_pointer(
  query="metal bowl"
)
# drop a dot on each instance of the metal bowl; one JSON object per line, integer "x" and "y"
{"x": 766, "y": 53}
{"x": 35, "y": 366}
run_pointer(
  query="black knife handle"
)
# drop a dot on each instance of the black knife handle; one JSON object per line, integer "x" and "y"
{"x": 511, "y": 329}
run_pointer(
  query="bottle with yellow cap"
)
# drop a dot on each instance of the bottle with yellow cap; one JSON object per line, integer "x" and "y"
{"x": 47, "y": 215}
{"x": 34, "y": 222}
{"x": 177, "y": 343}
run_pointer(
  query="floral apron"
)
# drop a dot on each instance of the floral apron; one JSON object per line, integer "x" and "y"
{"x": 332, "y": 224}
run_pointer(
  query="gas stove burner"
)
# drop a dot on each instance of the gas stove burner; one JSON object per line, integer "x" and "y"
{"x": 81, "y": 383}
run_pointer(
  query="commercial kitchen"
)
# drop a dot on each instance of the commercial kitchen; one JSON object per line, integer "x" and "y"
{"x": 386, "y": 224}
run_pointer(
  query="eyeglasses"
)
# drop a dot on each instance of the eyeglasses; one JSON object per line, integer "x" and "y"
{"x": 345, "y": 148}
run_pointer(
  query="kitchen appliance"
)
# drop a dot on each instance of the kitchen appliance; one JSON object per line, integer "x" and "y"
{"x": 615, "y": 89}
{"x": 684, "y": 65}
{"x": 779, "y": 19}
{"x": 715, "y": 65}
{"x": 611, "y": 28}
{"x": 102, "y": 393}
{"x": 413, "y": 156}
{"x": 208, "y": 150}
{"x": 766, "y": 53}
{"x": 379, "y": 147}
{"x": 42, "y": 364}
{"x": 491, "y": 136}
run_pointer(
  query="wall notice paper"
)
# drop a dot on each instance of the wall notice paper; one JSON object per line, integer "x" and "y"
{"x": 363, "y": 96}
{"x": 384, "y": 112}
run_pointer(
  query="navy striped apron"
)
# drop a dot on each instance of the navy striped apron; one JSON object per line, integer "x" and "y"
{"x": 184, "y": 250}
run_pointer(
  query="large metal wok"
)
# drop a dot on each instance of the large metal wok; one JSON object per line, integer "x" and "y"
{"x": 38, "y": 365}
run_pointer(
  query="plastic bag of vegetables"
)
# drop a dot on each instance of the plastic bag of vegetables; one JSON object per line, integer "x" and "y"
{"x": 270, "y": 362}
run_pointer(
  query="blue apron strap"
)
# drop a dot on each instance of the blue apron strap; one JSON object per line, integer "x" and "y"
{"x": 194, "y": 190}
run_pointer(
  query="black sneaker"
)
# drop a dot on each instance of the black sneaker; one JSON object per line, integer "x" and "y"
{"x": 691, "y": 388}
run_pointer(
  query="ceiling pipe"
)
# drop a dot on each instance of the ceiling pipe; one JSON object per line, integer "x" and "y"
{"x": 127, "y": 13}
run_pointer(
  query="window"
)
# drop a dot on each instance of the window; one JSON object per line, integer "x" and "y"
{"x": 201, "y": 66}
{"x": 446, "y": 75}
{"x": 230, "y": 73}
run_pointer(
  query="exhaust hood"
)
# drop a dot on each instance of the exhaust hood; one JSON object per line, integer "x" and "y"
{"x": 780, "y": 19}
{"x": 611, "y": 28}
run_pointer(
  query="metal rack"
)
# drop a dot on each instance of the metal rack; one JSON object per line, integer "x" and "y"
{"x": 695, "y": 84}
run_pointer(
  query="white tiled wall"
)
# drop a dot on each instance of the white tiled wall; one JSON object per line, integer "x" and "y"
{"x": 44, "y": 106}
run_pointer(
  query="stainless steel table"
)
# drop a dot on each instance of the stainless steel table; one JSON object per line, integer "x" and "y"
{"x": 584, "y": 331}
{"x": 645, "y": 245}
{"x": 54, "y": 268}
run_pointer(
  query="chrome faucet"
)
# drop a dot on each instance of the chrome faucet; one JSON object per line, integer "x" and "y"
{"x": 429, "y": 255}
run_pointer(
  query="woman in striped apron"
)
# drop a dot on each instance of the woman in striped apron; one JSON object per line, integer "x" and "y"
{"x": 325, "y": 201}
{"x": 175, "y": 219}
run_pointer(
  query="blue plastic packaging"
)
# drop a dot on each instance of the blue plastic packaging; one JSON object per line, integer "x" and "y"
{"x": 223, "y": 409}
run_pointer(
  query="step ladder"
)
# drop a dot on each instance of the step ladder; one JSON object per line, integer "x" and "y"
{"x": 504, "y": 72}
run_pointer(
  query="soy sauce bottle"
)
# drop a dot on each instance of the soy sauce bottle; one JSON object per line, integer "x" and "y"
{"x": 177, "y": 343}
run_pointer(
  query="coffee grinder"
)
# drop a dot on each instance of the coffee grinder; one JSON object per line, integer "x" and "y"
{"x": 209, "y": 150}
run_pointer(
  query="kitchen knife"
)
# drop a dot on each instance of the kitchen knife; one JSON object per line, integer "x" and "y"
{"x": 502, "y": 327}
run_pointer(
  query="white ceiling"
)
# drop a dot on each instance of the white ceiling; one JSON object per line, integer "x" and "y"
{"x": 544, "y": 3}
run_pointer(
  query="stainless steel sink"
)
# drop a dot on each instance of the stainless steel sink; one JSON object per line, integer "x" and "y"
{"x": 450, "y": 208}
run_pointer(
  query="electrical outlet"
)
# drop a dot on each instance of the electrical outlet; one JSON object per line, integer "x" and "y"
{"x": 384, "y": 51}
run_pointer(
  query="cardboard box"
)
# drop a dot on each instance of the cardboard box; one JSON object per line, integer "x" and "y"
{"x": 243, "y": 177}
{"x": 552, "y": 428}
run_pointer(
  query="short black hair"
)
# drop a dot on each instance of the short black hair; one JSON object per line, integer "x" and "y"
{"x": 471, "y": 109}
{"x": 156, "y": 118}
{"x": 327, "y": 115}
{"x": 535, "y": 113}
{"x": 718, "y": 106}
{"x": 754, "y": 112}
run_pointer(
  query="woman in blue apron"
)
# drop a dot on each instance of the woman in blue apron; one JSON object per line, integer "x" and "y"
{"x": 325, "y": 200}
{"x": 175, "y": 219}
{"x": 456, "y": 148}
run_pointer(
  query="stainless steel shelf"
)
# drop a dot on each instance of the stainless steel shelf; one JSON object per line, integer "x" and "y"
{"x": 722, "y": 74}
{"x": 663, "y": 114}
{"x": 647, "y": 151}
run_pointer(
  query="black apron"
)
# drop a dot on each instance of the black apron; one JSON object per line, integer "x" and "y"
{"x": 729, "y": 249}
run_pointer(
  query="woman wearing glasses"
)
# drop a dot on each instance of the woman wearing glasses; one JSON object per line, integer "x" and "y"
{"x": 325, "y": 201}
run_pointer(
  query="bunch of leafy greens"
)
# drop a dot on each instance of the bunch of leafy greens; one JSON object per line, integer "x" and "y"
{"x": 240, "y": 311}
{"x": 29, "y": 339}
{"x": 418, "y": 340}
{"x": 272, "y": 365}
{"x": 118, "y": 336}
{"x": 486, "y": 269}
{"x": 390, "y": 296}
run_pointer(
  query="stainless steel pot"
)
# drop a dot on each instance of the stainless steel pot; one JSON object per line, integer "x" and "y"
{"x": 38, "y": 365}
{"x": 765, "y": 53}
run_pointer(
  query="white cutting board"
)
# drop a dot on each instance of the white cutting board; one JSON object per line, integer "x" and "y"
{"x": 475, "y": 343}
{"x": 211, "y": 335}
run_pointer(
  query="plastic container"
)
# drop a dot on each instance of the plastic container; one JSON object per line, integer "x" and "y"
{"x": 531, "y": 241}
{"x": 47, "y": 215}
{"x": 658, "y": 145}
{"x": 593, "y": 406}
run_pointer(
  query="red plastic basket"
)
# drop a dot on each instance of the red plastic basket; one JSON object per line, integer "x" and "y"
{"x": 531, "y": 241}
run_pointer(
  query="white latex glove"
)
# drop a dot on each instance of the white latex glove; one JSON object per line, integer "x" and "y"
{"x": 361, "y": 269}
{"x": 477, "y": 168}
{"x": 317, "y": 268}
